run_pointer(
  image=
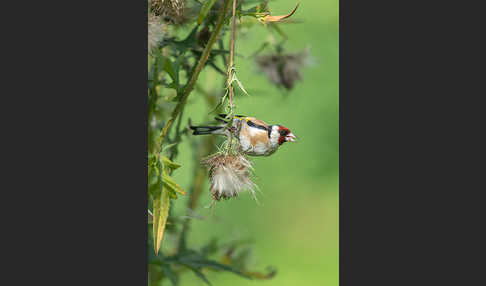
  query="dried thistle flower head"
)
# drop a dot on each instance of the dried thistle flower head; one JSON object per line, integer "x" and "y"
{"x": 284, "y": 69}
{"x": 170, "y": 10}
{"x": 229, "y": 175}
{"x": 156, "y": 31}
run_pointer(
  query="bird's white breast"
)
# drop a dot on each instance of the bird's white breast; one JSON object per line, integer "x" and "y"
{"x": 263, "y": 146}
{"x": 258, "y": 149}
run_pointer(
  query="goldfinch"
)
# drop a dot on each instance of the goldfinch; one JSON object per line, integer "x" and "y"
{"x": 256, "y": 137}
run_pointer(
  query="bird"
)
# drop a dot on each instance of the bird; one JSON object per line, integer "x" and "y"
{"x": 256, "y": 137}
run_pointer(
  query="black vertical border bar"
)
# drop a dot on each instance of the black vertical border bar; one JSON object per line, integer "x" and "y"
{"x": 411, "y": 143}
{"x": 75, "y": 124}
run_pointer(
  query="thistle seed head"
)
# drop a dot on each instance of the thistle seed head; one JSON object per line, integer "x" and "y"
{"x": 156, "y": 31}
{"x": 229, "y": 175}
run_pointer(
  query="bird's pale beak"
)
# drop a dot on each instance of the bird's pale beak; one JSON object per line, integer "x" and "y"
{"x": 291, "y": 137}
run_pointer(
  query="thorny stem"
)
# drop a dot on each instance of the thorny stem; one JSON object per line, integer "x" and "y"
{"x": 232, "y": 54}
{"x": 190, "y": 84}
{"x": 231, "y": 68}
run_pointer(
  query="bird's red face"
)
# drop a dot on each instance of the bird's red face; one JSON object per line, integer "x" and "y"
{"x": 285, "y": 135}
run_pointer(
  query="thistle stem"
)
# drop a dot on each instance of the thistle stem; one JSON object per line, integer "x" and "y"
{"x": 232, "y": 55}
{"x": 195, "y": 74}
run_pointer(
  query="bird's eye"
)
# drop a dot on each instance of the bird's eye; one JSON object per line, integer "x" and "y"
{"x": 283, "y": 132}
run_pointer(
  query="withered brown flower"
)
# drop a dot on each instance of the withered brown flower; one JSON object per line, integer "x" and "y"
{"x": 267, "y": 18}
{"x": 171, "y": 11}
{"x": 284, "y": 69}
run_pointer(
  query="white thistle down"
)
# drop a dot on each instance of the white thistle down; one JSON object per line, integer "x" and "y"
{"x": 229, "y": 175}
{"x": 156, "y": 32}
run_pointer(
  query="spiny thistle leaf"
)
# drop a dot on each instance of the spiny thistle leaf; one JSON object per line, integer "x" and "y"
{"x": 172, "y": 185}
{"x": 198, "y": 273}
{"x": 218, "y": 266}
{"x": 196, "y": 260}
{"x": 170, "y": 274}
{"x": 168, "y": 146}
{"x": 189, "y": 42}
{"x": 155, "y": 179}
{"x": 155, "y": 187}
{"x": 161, "y": 205}
{"x": 172, "y": 68}
{"x": 168, "y": 67}
{"x": 161, "y": 212}
{"x": 167, "y": 162}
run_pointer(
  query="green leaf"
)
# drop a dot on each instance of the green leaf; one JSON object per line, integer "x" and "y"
{"x": 152, "y": 175}
{"x": 168, "y": 67}
{"x": 155, "y": 187}
{"x": 171, "y": 184}
{"x": 155, "y": 180}
{"x": 195, "y": 260}
{"x": 167, "y": 162}
{"x": 216, "y": 266}
{"x": 161, "y": 212}
{"x": 168, "y": 146}
{"x": 189, "y": 42}
{"x": 204, "y": 10}
{"x": 198, "y": 273}
{"x": 169, "y": 273}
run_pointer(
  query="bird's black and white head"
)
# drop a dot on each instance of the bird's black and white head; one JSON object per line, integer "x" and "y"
{"x": 280, "y": 134}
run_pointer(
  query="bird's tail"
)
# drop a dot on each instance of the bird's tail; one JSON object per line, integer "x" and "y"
{"x": 203, "y": 130}
{"x": 207, "y": 129}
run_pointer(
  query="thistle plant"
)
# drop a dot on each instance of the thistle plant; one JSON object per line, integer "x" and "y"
{"x": 176, "y": 58}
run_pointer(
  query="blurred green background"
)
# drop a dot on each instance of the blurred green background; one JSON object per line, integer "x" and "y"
{"x": 295, "y": 230}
